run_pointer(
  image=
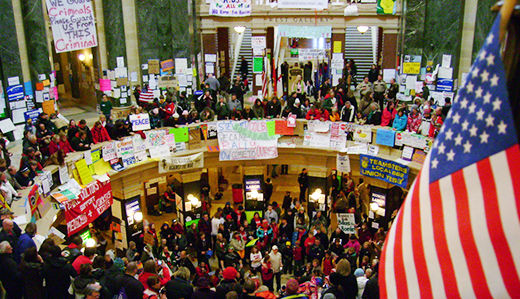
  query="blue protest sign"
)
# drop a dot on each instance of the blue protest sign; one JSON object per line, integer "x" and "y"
{"x": 385, "y": 137}
{"x": 386, "y": 170}
{"x": 33, "y": 114}
{"x": 444, "y": 85}
{"x": 15, "y": 92}
{"x": 28, "y": 89}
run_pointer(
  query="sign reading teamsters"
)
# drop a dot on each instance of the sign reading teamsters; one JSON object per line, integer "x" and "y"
{"x": 386, "y": 170}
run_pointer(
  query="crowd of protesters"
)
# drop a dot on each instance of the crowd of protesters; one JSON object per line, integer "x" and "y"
{"x": 222, "y": 255}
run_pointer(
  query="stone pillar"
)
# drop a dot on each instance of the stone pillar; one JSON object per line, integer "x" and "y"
{"x": 100, "y": 30}
{"x": 468, "y": 34}
{"x": 114, "y": 31}
{"x": 130, "y": 27}
{"x": 223, "y": 61}
{"x": 11, "y": 41}
{"x": 36, "y": 39}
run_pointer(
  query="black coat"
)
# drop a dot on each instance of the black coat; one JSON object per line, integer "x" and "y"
{"x": 10, "y": 277}
{"x": 371, "y": 289}
{"x": 178, "y": 288}
{"x": 57, "y": 273}
{"x": 33, "y": 280}
{"x": 226, "y": 286}
{"x": 133, "y": 288}
{"x": 349, "y": 285}
{"x": 201, "y": 293}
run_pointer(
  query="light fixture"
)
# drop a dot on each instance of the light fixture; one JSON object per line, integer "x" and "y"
{"x": 254, "y": 194}
{"x": 138, "y": 216}
{"x": 316, "y": 194}
{"x": 362, "y": 29}
{"x": 90, "y": 56}
{"x": 374, "y": 206}
{"x": 81, "y": 57}
{"x": 90, "y": 243}
{"x": 240, "y": 29}
{"x": 194, "y": 201}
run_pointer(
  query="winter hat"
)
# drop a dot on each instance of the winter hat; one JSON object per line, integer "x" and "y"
{"x": 229, "y": 217}
{"x": 176, "y": 115}
{"x": 229, "y": 273}
{"x": 292, "y": 286}
{"x": 359, "y": 272}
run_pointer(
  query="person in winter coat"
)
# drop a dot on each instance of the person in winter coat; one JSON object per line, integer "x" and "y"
{"x": 374, "y": 116}
{"x": 400, "y": 120}
{"x": 179, "y": 286}
{"x": 348, "y": 112}
{"x": 131, "y": 286}
{"x": 80, "y": 142}
{"x": 388, "y": 114}
{"x": 436, "y": 123}
{"x": 348, "y": 281}
{"x": 414, "y": 121}
{"x": 57, "y": 273}
{"x": 228, "y": 283}
{"x": 222, "y": 109}
{"x": 25, "y": 241}
{"x": 99, "y": 133}
{"x": 32, "y": 272}
{"x": 274, "y": 108}
{"x": 258, "y": 109}
{"x": 10, "y": 276}
{"x": 314, "y": 113}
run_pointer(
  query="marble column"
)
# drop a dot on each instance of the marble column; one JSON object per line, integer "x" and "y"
{"x": 146, "y": 20}
{"x": 468, "y": 33}
{"x": 414, "y": 15}
{"x": 100, "y": 59}
{"x": 131, "y": 40}
{"x": 180, "y": 28}
{"x": 485, "y": 19}
{"x": 114, "y": 31}
{"x": 36, "y": 39}
{"x": 9, "y": 53}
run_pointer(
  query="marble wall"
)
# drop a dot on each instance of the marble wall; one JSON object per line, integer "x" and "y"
{"x": 163, "y": 29}
{"x": 9, "y": 53}
{"x": 433, "y": 28}
{"x": 114, "y": 31}
{"x": 485, "y": 19}
{"x": 35, "y": 36}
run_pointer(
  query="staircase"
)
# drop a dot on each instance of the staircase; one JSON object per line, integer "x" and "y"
{"x": 246, "y": 51}
{"x": 359, "y": 47}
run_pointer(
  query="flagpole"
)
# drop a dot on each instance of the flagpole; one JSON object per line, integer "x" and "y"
{"x": 505, "y": 13}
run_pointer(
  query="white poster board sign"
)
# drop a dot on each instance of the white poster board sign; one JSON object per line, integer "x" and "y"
{"x": 347, "y": 222}
{"x": 140, "y": 122}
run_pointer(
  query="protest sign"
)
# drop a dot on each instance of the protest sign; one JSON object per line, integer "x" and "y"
{"x": 312, "y": 4}
{"x": 167, "y": 65}
{"x": 363, "y": 134}
{"x": 246, "y": 140}
{"x": 73, "y": 25}
{"x": 281, "y": 128}
{"x": 226, "y": 8}
{"x": 342, "y": 163}
{"x": 172, "y": 164}
{"x": 386, "y": 170}
{"x": 318, "y": 126}
{"x": 140, "y": 122}
{"x": 181, "y": 134}
{"x": 159, "y": 151}
{"x": 347, "y": 222}
{"x": 154, "y": 138}
{"x": 92, "y": 201}
{"x": 385, "y": 137}
{"x": 315, "y": 139}
{"x": 34, "y": 199}
{"x": 109, "y": 151}
{"x": 14, "y": 92}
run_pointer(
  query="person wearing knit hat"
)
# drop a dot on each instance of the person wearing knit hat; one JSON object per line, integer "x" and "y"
{"x": 203, "y": 289}
{"x": 291, "y": 289}
{"x": 228, "y": 283}
{"x": 334, "y": 291}
{"x": 361, "y": 281}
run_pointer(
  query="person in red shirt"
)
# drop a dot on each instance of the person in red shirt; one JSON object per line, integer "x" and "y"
{"x": 54, "y": 144}
{"x": 309, "y": 242}
{"x": 298, "y": 255}
{"x": 267, "y": 273}
{"x": 99, "y": 133}
{"x": 327, "y": 264}
{"x": 86, "y": 258}
{"x": 150, "y": 268}
{"x": 314, "y": 113}
{"x": 64, "y": 144}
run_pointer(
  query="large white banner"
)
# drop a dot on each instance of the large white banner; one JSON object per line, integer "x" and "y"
{"x": 230, "y": 8}
{"x": 313, "y": 4}
{"x": 246, "y": 140}
{"x": 172, "y": 164}
{"x": 73, "y": 24}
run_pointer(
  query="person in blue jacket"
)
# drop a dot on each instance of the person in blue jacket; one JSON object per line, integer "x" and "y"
{"x": 400, "y": 120}
{"x": 25, "y": 241}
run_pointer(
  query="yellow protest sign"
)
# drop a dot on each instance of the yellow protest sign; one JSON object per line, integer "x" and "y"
{"x": 337, "y": 46}
{"x": 84, "y": 172}
{"x": 411, "y": 67}
{"x": 48, "y": 107}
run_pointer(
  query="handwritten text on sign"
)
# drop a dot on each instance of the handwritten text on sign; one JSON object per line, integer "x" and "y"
{"x": 388, "y": 171}
{"x": 346, "y": 222}
{"x": 243, "y": 140}
{"x": 91, "y": 202}
{"x": 140, "y": 122}
{"x": 172, "y": 164}
{"x": 230, "y": 8}
{"x": 73, "y": 26}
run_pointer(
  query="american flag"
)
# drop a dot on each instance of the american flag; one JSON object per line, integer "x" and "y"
{"x": 146, "y": 96}
{"x": 457, "y": 234}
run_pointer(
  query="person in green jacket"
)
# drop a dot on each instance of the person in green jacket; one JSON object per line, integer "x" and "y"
{"x": 258, "y": 109}
{"x": 106, "y": 107}
{"x": 222, "y": 109}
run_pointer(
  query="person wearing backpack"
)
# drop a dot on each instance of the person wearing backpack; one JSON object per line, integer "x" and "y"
{"x": 129, "y": 286}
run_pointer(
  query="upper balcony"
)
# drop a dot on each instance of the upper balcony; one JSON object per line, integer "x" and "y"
{"x": 335, "y": 8}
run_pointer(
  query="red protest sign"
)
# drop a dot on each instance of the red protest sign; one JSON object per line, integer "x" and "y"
{"x": 34, "y": 199}
{"x": 93, "y": 200}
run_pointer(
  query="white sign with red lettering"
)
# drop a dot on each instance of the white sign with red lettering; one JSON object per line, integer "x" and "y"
{"x": 73, "y": 24}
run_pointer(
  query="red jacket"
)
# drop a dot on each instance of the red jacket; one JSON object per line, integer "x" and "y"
{"x": 80, "y": 260}
{"x": 65, "y": 146}
{"x": 53, "y": 147}
{"x": 100, "y": 134}
{"x": 164, "y": 279}
{"x": 313, "y": 112}
{"x": 388, "y": 117}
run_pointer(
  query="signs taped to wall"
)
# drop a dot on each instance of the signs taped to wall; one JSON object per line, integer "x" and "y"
{"x": 172, "y": 164}
{"x": 73, "y": 25}
{"x": 226, "y": 8}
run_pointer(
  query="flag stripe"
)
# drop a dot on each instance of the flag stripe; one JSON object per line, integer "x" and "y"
{"x": 428, "y": 238}
{"x": 456, "y": 251}
{"x": 408, "y": 250}
{"x": 467, "y": 239}
{"x": 498, "y": 240}
{"x": 388, "y": 284}
{"x": 400, "y": 275}
{"x": 417, "y": 242}
{"x": 441, "y": 243}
